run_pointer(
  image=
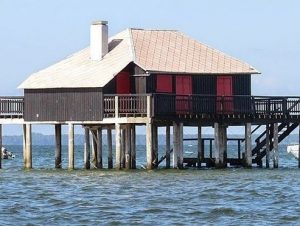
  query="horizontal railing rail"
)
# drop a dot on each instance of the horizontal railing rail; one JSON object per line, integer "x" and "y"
{"x": 126, "y": 105}
{"x": 11, "y": 106}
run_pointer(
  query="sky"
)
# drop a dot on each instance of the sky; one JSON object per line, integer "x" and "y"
{"x": 264, "y": 33}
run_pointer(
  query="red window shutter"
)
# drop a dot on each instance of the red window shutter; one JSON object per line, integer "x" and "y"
{"x": 123, "y": 83}
{"x": 164, "y": 84}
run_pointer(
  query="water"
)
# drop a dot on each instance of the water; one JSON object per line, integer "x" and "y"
{"x": 236, "y": 196}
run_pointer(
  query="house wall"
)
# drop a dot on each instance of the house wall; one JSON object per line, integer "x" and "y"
{"x": 76, "y": 104}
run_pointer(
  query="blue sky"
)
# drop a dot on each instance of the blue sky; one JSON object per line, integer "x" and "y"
{"x": 265, "y": 33}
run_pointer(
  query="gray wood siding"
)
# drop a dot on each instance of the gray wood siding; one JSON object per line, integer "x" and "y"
{"x": 76, "y": 104}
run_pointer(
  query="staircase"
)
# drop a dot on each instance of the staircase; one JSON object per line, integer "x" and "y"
{"x": 259, "y": 151}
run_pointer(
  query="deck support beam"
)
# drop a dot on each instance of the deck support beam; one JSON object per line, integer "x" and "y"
{"x": 248, "y": 148}
{"x": 168, "y": 147}
{"x": 127, "y": 146}
{"x": 71, "y": 164}
{"x": 109, "y": 149}
{"x": 87, "y": 149}
{"x": 220, "y": 145}
{"x": 275, "y": 146}
{"x": 267, "y": 146}
{"x": 149, "y": 145}
{"x": 200, "y": 150}
{"x": 118, "y": 145}
{"x": 58, "y": 146}
{"x": 133, "y": 146}
{"x": 99, "y": 148}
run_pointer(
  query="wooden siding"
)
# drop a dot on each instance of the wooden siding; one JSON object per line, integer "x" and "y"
{"x": 242, "y": 85}
{"x": 82, "y": 104}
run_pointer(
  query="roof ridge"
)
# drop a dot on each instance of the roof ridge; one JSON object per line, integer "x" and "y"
{"x": 152, "y": 29}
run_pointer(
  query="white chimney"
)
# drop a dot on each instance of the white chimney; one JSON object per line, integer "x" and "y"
{"x": 98, "y": 40}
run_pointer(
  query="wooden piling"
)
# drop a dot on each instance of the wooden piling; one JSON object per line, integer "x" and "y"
{"x": 199, "y": 144}
{"x": 180, "y": 151}
{"x": 109, "y": 149}
{"x": 123, "y": 147}
{"x": 58, "y": 164}
{"x": 149, "y": 144}
{"x": 99, "y": 148}
{"x": 118, "y": 145}
{"x": 220, "y": 145}
{"x": 127, "y": 147}
{"x": 248, "y": 149}
{"x": 87, "y": 149}
{"x": 133, "y": 147}
{"x": 267, "y": 146}
{"x": 275, "y": 146}
{"x": 299, "y": 147}
{"x": 175, "y": 145}
{"x": 168, "y": 147}
{"x": 28, "y": 147}
{"x": 0, "y": 146}
{"x": 71, "y": 164}
{"x": 155, "y": 144}
{"x": 94, "y": 149}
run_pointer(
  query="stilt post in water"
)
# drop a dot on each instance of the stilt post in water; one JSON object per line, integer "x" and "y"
{"x": 275, "y": 146}
{"x": 58, "y": 146}
{"x": 118, "y": 145}
{"x": 99, "y": 148}
{"x": 267, "y": 146}
{"x": 87, "y": 149}
{"x": 200, "y": 151}
{"x": 127, "y": 146}
{"x": 248, "y": 149}
{"x": 168, "y": 147}
{"x": 109, "y": 148}
{"x": 0, "y": 146}
{"x": 133, "y": 147}
{"x": 71, "y": 164}
{"x": 149, "y": 144}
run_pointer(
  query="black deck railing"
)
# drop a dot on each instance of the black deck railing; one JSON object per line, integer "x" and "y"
{"x": 11, "y": 107}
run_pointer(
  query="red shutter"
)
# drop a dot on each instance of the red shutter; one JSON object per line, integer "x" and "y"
{"x": 123, "y": 83}
{"x": 183, "y": 90}
{"x": 224, "y": 93}
{"x": 164, "y": 84}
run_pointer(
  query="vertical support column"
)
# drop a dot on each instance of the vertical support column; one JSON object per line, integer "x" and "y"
{"x": 200, "y": 150}
{"x": 58, "y": 146}
{"x": 299, "y": 148}
{"x": 71, "y": 146}
{"x": 109, "y": 147}
{"x": 94, "y": 149}
{"x": 168, "y": 147}
{"x": 175, "y": 144}
{"x": 149, "y": 144}
{"x": 99, "y": 148}
{"x": 220, "y": 145}
{"x": 180, "y": 150}
{"x": 248, "y": 149}
{"x": 87, "y": 149}
{"x": 0, "y": 146}
{"x": 275, "y": 146}
{"x": 133, "y": 147}
{"x": 155, "y": 145}
{"x": 267, "y": 146}
{"x": 118, "y": 145}
{"x": 28, "y": 147}
{"x": 127, "y": 146}
{"x": 24, "y": 143}
{"x": 123, "y": 147}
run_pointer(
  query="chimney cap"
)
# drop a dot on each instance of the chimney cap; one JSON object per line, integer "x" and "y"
{"x": 100, "y": 22}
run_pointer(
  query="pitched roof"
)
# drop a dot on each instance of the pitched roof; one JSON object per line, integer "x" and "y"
{"x": 153, "y": 50}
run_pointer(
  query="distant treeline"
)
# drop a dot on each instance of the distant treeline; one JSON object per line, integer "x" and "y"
{"x": 40, "y": 139}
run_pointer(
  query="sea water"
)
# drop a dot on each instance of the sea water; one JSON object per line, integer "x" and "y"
{"x": 235, "y": 196}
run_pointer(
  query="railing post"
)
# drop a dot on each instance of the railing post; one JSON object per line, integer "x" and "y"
{"x": 149, "y": 108}
{"x": 116, "y": 106}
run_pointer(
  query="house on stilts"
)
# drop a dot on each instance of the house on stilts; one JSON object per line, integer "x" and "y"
{"x": 156, "y": 78}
